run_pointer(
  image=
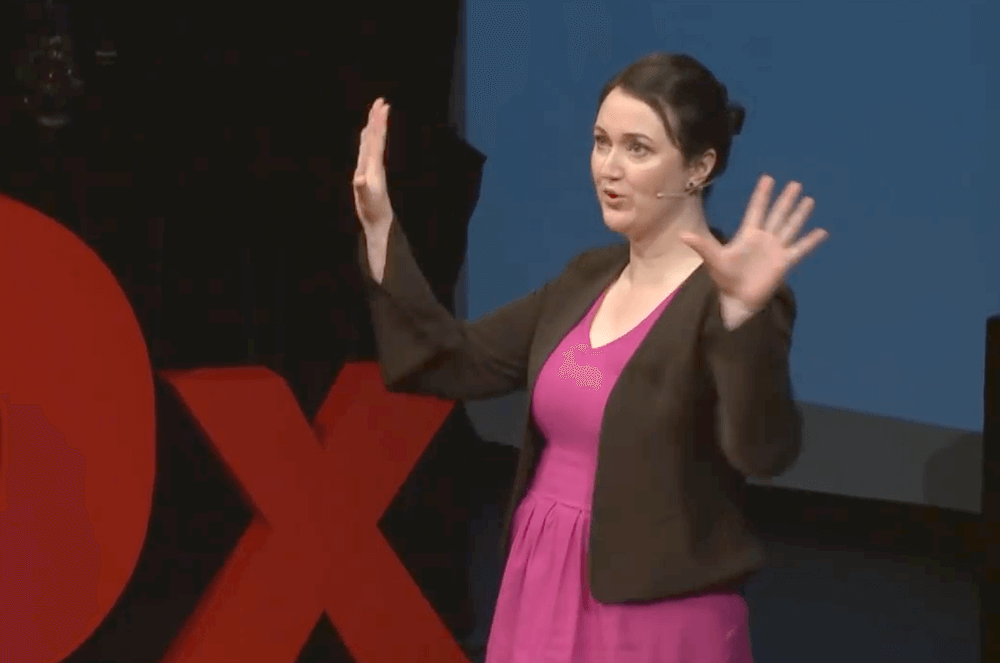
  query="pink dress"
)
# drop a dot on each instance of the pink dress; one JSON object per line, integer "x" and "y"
{"x": 545, "y": 612}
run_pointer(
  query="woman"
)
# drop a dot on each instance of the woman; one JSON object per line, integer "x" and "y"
{"x": 658, "y": 379}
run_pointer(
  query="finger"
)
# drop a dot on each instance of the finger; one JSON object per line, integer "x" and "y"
{"x": 778, "y": 215}
{"x": 376, "y": 160}
{"x": 362, "y": 145}
{"x": 757, "y": 207}
{"x": 369, "y": 146}
{"x": 807, "y": 244}
{"x": 366, "y": 134}
{"x": 362, "y": 164}
{"x": 367, "y": 131}
{"x": 790, "y": 230}
{"x": 704, "y": 245}
{"x": 381, "y": 128}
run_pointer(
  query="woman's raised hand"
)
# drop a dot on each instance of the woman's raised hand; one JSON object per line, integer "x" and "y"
{"x": 371, "y": 196}
{"x": 749, "y": 269}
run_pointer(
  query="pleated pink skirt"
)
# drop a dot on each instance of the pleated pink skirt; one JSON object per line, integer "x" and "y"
{"x": 545, "y": 612}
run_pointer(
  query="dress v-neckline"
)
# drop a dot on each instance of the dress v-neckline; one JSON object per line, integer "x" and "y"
{"x": 597, "y": 307}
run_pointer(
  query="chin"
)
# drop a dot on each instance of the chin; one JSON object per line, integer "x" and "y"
{"x": 619, "y": 223}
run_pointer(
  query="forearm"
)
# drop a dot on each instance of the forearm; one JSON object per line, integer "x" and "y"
{"x": 376, "y": 248}
{"x": 422, "y": 348}
{"x": 759, "y": 422}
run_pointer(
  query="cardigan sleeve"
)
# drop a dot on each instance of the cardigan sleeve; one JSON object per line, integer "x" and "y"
{"x": 759, "y": 423}
{"x": 423, "y": 349}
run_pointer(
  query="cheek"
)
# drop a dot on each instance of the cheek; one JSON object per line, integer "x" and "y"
{"x": 649, "y": 179}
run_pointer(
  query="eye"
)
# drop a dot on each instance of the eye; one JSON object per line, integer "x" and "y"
{"x": 600, "y": 140}
{"x": 638, "y": 148}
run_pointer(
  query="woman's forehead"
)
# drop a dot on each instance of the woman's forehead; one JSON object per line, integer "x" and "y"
{"x": 624, "y": 114}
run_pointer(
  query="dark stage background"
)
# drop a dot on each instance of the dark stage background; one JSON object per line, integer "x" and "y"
{"x": 207, "y": 160}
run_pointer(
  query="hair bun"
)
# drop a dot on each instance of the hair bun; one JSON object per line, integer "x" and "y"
{"x": 736, "y": 116}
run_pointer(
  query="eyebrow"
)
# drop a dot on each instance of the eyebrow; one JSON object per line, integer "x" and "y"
{"x": 628, "y": 135}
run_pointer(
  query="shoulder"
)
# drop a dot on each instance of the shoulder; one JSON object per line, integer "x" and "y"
{"x": 597, "y": 259}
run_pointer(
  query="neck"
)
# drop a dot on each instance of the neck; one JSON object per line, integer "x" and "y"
{"x": 659, "y": 254}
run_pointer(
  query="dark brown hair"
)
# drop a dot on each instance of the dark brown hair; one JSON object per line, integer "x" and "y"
{"x": 692, "y": 104}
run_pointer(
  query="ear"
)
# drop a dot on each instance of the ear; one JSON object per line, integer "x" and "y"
{"x": 703, "y": 166}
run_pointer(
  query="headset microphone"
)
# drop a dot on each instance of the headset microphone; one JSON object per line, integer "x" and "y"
{"x": 686, "y": 193}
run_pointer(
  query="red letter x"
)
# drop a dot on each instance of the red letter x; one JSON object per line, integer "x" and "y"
{"x": 314, "y": 544}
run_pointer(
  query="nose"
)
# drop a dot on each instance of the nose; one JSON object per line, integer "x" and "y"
{"x": 609, "y": 166}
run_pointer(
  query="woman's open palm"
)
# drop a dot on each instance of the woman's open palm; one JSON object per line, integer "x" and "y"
{"x": 751, "y": 267}
{"x": 371, "y": 195}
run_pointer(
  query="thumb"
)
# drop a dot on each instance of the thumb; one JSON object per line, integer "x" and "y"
{"x": 704, "y": 245}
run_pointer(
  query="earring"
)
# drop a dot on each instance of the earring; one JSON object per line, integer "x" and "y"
{"x": 689, "y": 188}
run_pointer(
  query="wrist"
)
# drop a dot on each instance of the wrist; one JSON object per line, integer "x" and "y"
{"x": 734, "y": 312}
{"x": 377, "y": 236}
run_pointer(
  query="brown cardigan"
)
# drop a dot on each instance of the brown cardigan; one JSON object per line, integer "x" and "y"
{"x": 695, "y": 410}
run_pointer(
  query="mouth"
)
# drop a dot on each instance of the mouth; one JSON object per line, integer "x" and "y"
{"x": 611, "y": 197}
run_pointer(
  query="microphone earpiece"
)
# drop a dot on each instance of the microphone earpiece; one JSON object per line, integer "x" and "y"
{"x": 687, "y": 192}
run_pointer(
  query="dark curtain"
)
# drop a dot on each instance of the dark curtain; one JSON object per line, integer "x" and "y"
{"x": 208, "y": 162}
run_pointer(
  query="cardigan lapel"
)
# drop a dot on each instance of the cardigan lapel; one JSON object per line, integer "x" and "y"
{"x": 580, "y": 286}
{"x": 577, "y": 292}
{"x": 675, "y": 330}
{"x": 572, "y": 297}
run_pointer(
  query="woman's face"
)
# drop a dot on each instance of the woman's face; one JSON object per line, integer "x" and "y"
{"x": 633, "y": 159}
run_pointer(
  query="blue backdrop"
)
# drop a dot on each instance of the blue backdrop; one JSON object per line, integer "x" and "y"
{"x": 884, "y": 110}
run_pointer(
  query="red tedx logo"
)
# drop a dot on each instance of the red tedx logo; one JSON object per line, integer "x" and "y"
{"x": 77, "y": 454}
{"x": 77, "y": 439}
